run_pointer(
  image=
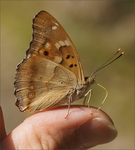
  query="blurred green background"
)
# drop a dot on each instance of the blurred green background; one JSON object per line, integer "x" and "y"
{"x": 98, "y": 29}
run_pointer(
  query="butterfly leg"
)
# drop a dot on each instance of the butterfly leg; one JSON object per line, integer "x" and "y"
{"x": 84, "y": 101}
{"x": 89, "y": 97}
{"x": 85, "y": 97}
{"x": 69, "y": 102}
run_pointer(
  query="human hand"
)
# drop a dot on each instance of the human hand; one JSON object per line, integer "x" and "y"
{"x": 50, "y": 130}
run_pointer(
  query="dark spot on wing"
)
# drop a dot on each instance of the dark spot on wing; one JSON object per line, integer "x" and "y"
{"x": 68, "y": 56}
{"x": 46, "y": 53}
{"x": 71, "y": 65}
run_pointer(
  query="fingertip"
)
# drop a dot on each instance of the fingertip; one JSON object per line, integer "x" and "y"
{"x": 98, "y": 129}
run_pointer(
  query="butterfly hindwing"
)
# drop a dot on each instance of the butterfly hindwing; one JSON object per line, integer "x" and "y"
{"x": 39, "y": 88}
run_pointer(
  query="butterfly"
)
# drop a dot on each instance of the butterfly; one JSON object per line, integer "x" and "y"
{"x": 51, "y": 73}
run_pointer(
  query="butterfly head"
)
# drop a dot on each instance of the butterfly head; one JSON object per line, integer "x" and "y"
{"x": 90, "y": 79}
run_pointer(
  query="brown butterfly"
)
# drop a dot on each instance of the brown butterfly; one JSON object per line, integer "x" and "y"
{"x": 51, "y": 74}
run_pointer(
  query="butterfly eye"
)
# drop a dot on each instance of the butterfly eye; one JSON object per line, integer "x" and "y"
{"x": 86, "y": 78}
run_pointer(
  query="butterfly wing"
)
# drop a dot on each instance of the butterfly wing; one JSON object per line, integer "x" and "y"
{"x": 41, "y": 84}
{"x": 51, "y": 68}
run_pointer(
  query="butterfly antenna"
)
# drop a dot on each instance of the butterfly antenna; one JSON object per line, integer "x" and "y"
{"x": 109, "y": 61}
{"x": 105, "y": 95}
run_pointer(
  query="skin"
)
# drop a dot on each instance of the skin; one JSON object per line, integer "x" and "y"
{"x": 81, "y": 129}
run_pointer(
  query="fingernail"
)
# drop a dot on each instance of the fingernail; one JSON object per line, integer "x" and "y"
{"x": 97, "y": 131}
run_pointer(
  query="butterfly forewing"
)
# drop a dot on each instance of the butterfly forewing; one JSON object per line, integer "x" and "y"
{"x": 57, "y": 45}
